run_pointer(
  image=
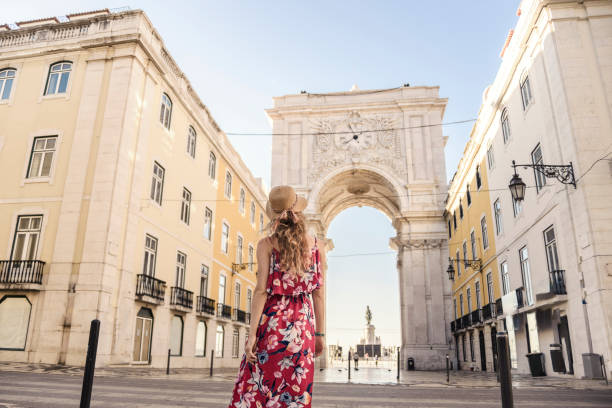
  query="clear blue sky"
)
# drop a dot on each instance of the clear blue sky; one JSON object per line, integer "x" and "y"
{"x": 239, "y": 54}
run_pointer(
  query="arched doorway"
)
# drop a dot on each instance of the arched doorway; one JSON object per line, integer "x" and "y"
{"x": 382, "y": 149}
{"x": 143, "y": 335}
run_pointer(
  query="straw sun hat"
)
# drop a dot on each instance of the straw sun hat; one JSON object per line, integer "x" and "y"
{"x": 284, "y": 198}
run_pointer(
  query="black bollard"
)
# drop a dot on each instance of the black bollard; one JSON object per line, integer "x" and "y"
{"x": 398, "y": 364}
{"x": 447, "y": 369}
{"x": 212, "y": 360}
{"x": 349, "y": 365}
{"x": 90, "y": 363}
{"x": 168, "y": 364}
{"x": 505, "y": 374}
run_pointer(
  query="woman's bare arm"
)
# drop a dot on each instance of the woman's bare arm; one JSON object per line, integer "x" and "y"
{"x": 260, "y": 294}
{"x": 318, "y": 297}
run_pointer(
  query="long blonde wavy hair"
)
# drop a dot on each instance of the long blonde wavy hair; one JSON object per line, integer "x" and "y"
{"x": 289, "y": 230}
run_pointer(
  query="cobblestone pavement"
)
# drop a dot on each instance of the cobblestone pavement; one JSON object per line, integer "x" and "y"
{"x": 37, "y": 390}
{"x": 338, "y": 374}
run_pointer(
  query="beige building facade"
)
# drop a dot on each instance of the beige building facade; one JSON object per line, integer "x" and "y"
{"x": 109, "y": 207}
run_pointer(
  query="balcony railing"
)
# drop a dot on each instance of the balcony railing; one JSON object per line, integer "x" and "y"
{"x": 557, "y": 282}
{"x": 466, "y": 321}
{"x": 181, "y": 297}
{"x": 149, "y": 286}
{"x": 487, "y": 311}
{"x": 476, "y": 316}
{"x": 239, "y": 315}
{"x": 28, "y": 271}
{"x": 224, "y": 311}
{"x": 520, "y": 302}
{"x": 453, "y": 326}
{"x": 205, "y": 305}
{"x": 499, "y": 309}
{"x": 459, "y": 324}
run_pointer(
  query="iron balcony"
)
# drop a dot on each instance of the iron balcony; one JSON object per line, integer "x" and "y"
{"x": 181, "y": 297}
{"x": 466, "y": 321}
{"x": 149, "y": 286}
{"x": 24, "y": 271}
{"x": 476, "y": 317}
{"x": 205, "y": 305}
{"x": 557, "y": 282}
{"x": 499, "y": 309}
{"x": 224, "y": 311}
{"x": 239, "y": 315}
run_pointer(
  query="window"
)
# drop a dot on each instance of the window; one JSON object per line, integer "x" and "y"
{"x": 150, "y": 255}
{"x": 7, "y": 76}
{"x": 191, "y": 141}
{"x": 517, "y": 207}
{"x": 469, "y": 299}
{"x": 249, "y": 300}
{"x": 242, "y": 200}
{"x": 204, "y": 280}
{"x": 490, "y": 293}
{"x": 212, "y": 166}
{"x": 185, "y": 206}
{"x": 181, "y": 263}
{"x": 222, "y": 281}
{"x": 478, "y": 178}
{"x": 485, "y": 233}
{"x": 219, "y": 341}
{"x": 14, "y": 320}
{"x": 252, "y": 212}
{"x": 208, "y": 214}
{"x": 499, "y": 226}
{"x": 261, "y": 222}
{"x": 477, "y": 289}
{"x": 157, "y": 184}
{"x": 251, "y": 257}
{"x": 176, "y": 336}
{"x": 165, "y": 113}
{"x": 237, "y": 295}
{"x": 461, "y": 303}
{"x": 469, "y": 196}
{"x": 200, "y": 346}
{"x": 460, "y": 211}
{"x": 550, "y": 243}
{"x": 536, "y": 158}
{"x": 225, "y": 238}
{"x": 505, "y": 124}
{"x": 228, "y": 185}
{"x": 458, "y": 264}
{"x": 473, "y": 244}
{"x": 239, "y": 249}
{"x": 465, "y": 255}
{"x": 526, "y": 92}
{"x": 526, "y": 274}
{"x": 490, "y": 157}
{"x": 455, "y": 307}
{"x": 449, "y": 229}
{"x": 41, "y": 158}
{"x": 455, "y": 220}
{"x": 57, "y": 80}
{"x": 235, "y": 342}
{"x": 505, "y": 278}
{"x": 27, "y": 236}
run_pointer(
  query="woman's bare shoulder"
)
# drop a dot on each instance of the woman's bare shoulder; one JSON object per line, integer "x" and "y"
{"x": 265, "y": 243}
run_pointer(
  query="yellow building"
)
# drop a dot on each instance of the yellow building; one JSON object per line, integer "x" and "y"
{"x": 110, "y": 207}
{"x": 471, "y": 232}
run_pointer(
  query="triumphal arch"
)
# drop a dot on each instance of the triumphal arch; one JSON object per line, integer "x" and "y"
{"x": 384, "y": 149}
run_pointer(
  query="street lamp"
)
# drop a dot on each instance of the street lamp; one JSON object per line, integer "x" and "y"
{"x": 450, "y": 270}
{"x": 563, "y": 173}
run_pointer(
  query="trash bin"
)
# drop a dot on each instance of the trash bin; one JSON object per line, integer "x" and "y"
{"x": 536, "y": 364}
{"x": 556, "y": 358}
{"x": 410, "y": 363}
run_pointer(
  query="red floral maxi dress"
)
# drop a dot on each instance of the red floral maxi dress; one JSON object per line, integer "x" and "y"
{"x": 283, "y": 375}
